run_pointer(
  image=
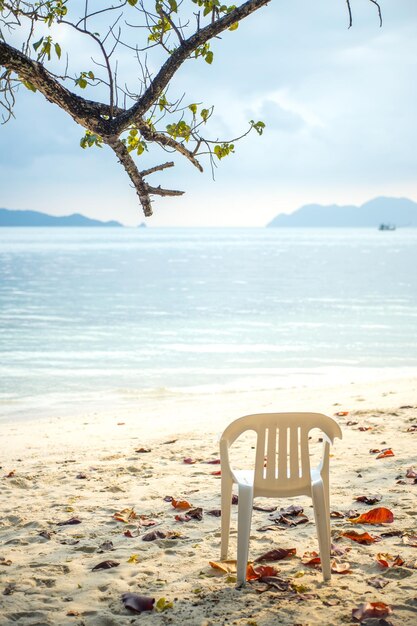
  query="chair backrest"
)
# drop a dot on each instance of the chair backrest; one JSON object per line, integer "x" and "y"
{"x": 282, "y": 460}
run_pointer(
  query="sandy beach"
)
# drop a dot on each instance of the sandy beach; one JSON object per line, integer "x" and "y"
{"x": 80, "y": 492}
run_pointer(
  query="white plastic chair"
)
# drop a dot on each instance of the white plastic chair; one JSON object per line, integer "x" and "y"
{"x": 282, "y": 469}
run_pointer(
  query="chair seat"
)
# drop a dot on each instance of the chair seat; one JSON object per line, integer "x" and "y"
{"x": 246, "y": 477}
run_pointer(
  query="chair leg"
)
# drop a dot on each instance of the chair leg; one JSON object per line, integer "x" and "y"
{"x": 322, "y": 524}
{"x": 226, "y": 502}
{"x": 243, "y": 531}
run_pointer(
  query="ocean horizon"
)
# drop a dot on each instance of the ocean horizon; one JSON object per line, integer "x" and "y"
{"x": 102, "y": 317}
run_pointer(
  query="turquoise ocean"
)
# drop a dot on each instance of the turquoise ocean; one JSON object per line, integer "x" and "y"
{"x": 94, "y": 316}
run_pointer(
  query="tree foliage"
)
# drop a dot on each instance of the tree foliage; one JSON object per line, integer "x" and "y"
{"x": 39, "y": 49}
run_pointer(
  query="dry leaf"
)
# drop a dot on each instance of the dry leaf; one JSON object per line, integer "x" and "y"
{"x": 411, "y": 473}
{"x": 291, "y": 511}
{"x": 260, "y": 572}
{"x": 380, "y": 515}
{"x": 189, "y": 461}
{"x": 342, "y": 413}
{"x": 125, "y": 515}
{"x": 371, "y": 609}
{"x": 134, "y": 558}
{"x": 364, "y": 538}
{"x": 153, "y": 535}
{"x": 70, "y": 522}
{"x": 180, "y": 504}
{"x": 142, "y": 450}
{"x": 105, "y": 565}
{"x": 213, "y": 462}
{"x": 10, "y": 474}
{"x": 215, "y": 512}
{"x": 369, "y": 499}
{"x": 384, "y": 453}
{"x": 163, "y": 605}
{"x": 276, "y": 555}
{"x": 388, "y": 560}
{"x": 227, "y": 567}
{"x": 340, "y": 568}
{"x": 137, "y": 603}
{"x": 312, "y": 559}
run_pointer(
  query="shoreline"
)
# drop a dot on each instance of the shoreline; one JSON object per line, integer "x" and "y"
{"x": 281, "y": 385}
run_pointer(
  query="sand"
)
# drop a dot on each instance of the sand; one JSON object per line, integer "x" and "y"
{"x": 95, "y": 465}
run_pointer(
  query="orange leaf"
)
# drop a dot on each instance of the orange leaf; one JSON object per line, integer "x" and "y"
{"x": 388, "y": 560}
{"x": 384, "y": 453}
{"x": 365, "y": 538}
{"x": 181, "y": 504}
{"x": 342, "y": 413}
{"x": 227, "y": 567}
{"x": 380, "y": 515}
{"x": 259, "y": 572}
{"x": 371, "y": 609}
{"x": 311, "y": 559}
{"x": 217, "y": 473}
{"x": 10, "y": 474}
{"x": 125, "y": 515}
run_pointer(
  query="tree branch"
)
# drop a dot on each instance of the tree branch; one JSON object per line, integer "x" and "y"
{"x": 84, "y": 112}
{"x": 150, "y": 134}
{"x": 157, "y": 168}
{"x": 177, "y": 58}
{"x": 132, "y": 171}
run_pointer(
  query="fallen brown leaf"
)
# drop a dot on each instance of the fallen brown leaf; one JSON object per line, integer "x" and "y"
{"x": 276, "y": 554}
{"x": 371, "y": 609}
{"x": 388, "y": 560}
{"x": 70, "y": 522}
{"x": 138, "y": 603}
{"x": 369, "y": 499}
{"x": 105, "y": 565}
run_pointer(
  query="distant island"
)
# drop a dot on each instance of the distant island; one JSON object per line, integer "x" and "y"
{"x": 397, "y": 211}
{"x": 35, "y": 218}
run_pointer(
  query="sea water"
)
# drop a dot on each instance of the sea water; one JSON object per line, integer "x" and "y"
{"x": 89, "y": 314}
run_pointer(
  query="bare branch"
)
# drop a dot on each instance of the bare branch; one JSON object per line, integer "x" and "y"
{"x": 157, "y": 168}
{"x": 158, "y": 191}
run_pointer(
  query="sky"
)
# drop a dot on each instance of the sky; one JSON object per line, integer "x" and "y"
{"x": 339, "y": 107}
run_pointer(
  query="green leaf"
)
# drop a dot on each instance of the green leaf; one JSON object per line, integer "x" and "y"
{"x": 132, "y": 2}
{"x": 82, "y": 83}
{"x": 209, "y": 57}
{"x": 29, "y": 85}
{"x": 38, "y": 43}
{"x": 58, "y": 50}
{"x": 193, "y": 108}
{"x": 234, "y": 26}
{"x": 163, "y": 605}
{"x": 173, "y": 5}
{"x": 204, "y": 114}
{"x": 91, "y": 75}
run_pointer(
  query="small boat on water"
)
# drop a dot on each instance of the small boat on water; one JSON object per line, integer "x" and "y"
{"x": 387, "y": 227}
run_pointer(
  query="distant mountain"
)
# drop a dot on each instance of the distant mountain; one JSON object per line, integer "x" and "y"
{"x": 35, "y": 218}
{"x": 398, "y": 211}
